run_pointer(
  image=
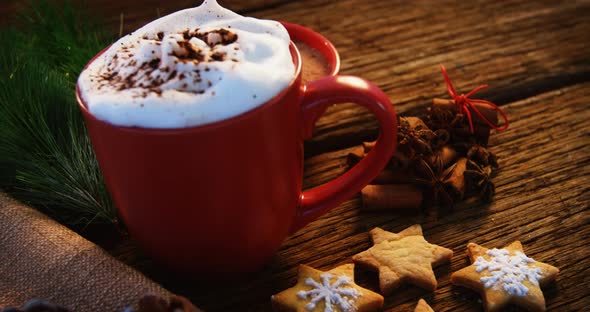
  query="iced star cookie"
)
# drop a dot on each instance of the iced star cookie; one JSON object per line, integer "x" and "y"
{"x": 505, "y": 276}
{"x": 423, "y": 306}
{"x": 331, "y": 291}
{"x": 403, "y": 257}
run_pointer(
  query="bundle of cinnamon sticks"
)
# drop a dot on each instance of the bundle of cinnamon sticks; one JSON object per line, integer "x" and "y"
{"x": 439, "y": 161}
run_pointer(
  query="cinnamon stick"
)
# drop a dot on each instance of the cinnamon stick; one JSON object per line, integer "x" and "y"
{"x": 456, "y": 178}
{"x": 355, "y": 156}
{"x": 398, "y": 161}
{"x": 397, "y": 176}
{"x": 358, "y": 153}
{"x": 480, "y": 135}
{"x": 368, "y": 146}
{"x": 391, "y": 197}
{"x": 481, "y": 130}
{"x": 489, "y": 113}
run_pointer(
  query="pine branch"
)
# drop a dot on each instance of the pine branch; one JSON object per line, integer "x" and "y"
{"x": 66, "y": 37}
{"x": 46, "y": 158}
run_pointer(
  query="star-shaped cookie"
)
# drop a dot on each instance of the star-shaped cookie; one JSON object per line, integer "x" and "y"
{"x": 505, "y": 276}
{"x": 331, "y": 291}
{"x": 403, "y": 257}
{"x": 423, "y": 306}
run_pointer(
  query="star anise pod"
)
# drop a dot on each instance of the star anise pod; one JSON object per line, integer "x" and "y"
{"x": 482, "y": 156}
{"x": 414, "y": 137}
{"x": 440, "y": 118}
{"x": 444, "y": 186}
{"x": 440, "y": 139}
{"x": 478, "y": 180}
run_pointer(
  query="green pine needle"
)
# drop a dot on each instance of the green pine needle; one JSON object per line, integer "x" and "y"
{"x": 46, "y": 158}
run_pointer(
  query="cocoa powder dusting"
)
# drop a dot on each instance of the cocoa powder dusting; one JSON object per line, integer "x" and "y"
{"x": 148, "y": 75}
{"x": 155, "y": 63}
{"x": 218, "y": 56}
{"x": 190, "y": 53}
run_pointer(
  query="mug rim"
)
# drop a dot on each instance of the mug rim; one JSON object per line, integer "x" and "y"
{"x": 209, "y": 126}
{"x": 316, "y": 41}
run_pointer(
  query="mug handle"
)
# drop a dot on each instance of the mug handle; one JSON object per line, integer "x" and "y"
{"x": 317, "y": 96}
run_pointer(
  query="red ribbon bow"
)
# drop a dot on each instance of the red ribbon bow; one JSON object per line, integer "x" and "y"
{"x": 464, "y": 103}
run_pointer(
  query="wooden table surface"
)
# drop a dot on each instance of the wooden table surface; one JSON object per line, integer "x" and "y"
{"x": 535, "y": 55}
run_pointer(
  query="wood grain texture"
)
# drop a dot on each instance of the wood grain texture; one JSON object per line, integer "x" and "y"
{"x": 534, "y": 56}
{"x": 542, "y": 200}
{"x": 519, "y": 48}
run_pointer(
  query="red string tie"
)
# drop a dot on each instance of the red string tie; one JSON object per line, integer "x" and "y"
{"x": 465, "y": 105}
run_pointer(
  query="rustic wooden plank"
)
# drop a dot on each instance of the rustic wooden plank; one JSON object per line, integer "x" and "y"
{"x": 518, "y": 61}
{"x": 542, "y": 199}
{"x": 519, "y": 48}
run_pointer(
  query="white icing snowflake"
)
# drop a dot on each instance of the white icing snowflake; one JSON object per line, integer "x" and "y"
{"x": 507, "y": 271}
{"x": 332, "y": 294}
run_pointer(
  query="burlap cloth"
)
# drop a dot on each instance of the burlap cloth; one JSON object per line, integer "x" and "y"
{"x": 39, "y": 258}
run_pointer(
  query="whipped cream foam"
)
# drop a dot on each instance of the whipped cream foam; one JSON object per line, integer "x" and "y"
{"x": 192, "y": 67}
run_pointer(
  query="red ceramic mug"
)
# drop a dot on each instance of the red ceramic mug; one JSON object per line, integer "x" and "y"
{"x": 222, "y": 197}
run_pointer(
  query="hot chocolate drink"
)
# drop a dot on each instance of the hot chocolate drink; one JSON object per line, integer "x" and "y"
{"x": 190, "y": 68}
{"x": 314, "y": 63}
